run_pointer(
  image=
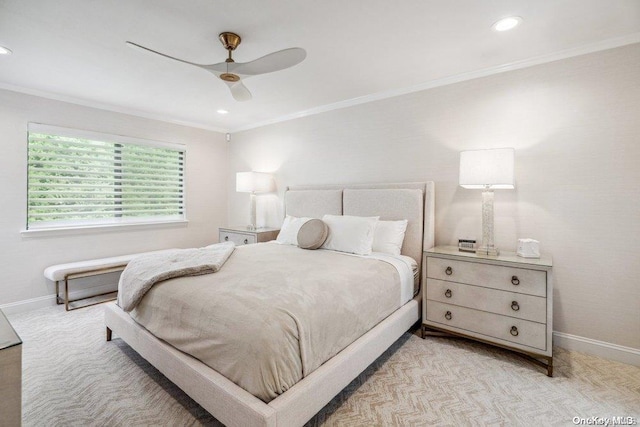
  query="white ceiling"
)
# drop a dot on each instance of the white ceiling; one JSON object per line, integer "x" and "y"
{"x": 356, "y": 50}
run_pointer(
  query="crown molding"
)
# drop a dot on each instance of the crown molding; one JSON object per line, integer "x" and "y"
{"x": 542, "y": 59}
{"x": 109, "y": 107}
{"x": 537, "y": 60}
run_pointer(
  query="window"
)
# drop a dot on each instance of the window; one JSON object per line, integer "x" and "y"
{"x": 80, "y": 178}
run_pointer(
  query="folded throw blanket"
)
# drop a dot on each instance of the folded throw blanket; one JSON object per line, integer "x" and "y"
{"x": 145, "y": 271}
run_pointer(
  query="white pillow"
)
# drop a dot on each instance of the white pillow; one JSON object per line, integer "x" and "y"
{"x": 289, "y": 231}
{"x": 352, "y": 234}
{"x": 389, "y": 236}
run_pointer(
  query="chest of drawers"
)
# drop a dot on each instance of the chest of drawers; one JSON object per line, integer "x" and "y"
{"x": 10, "y": 374}
{"x": 242, "y": 236}
{"x": 504, "y": 300}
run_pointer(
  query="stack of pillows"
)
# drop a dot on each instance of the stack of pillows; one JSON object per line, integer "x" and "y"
{"x": 343, "y": 233}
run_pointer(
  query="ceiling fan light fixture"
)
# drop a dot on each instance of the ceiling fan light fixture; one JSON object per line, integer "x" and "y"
{"x": 221, "y": 111}
{"x": 229, "y": 77}
{"x": 5, "y": 51}
{"x": 506, "y": 24}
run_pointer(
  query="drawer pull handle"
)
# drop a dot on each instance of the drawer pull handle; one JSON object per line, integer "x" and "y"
{"x": 246, "y": 241}
{"x": 514, "y": 331}
{"x": 448, "y": 293}
{"x": 226, "y": 238}
{"x": 447, "y": 315}
{"x": 449, "y": 271}
{"x": 515, "y": 281}
{"x": 515, "y": 306}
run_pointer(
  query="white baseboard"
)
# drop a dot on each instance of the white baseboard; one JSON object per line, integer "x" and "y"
{"x": 50, "y": 300}
{"x": 602, "y": 349}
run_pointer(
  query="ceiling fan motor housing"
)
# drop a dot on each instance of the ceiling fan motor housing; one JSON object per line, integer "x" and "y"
{"x": 229, "y": 40}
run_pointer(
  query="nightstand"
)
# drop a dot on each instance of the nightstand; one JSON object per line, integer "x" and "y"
{"x": 504, "y": 300}
{"x": 240, "y": 235}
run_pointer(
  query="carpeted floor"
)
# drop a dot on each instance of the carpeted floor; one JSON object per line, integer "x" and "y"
{"x": 73, "y": 377}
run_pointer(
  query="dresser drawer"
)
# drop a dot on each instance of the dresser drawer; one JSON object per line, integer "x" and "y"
{"x": 237, "y": 238}
{"x": 520, "y": 280}
{"x": 518, "y": 331}
{"x": 512, "y": 304}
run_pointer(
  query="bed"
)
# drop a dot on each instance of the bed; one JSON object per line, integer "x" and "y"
{"x": 232, "y": 404}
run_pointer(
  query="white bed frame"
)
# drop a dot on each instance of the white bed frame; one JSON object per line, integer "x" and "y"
{"x": 234, "y": 406}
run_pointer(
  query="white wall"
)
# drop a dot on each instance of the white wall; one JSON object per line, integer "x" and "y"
{"x": 23, "y": 259}
{"x": 575, "y": 125}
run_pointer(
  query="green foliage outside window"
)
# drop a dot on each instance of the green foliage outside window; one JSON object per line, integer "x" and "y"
{"x": 76, "y": 180}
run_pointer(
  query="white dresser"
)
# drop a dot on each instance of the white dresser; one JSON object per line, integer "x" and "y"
{"x": 10, "y": 375}
{"x": 505, "y": 300}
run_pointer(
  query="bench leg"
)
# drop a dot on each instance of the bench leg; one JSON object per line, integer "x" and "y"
{"x": 58, "y": 299}
{"x": 66, "y": 293}
{"x": 65, "y": 298}
{"x": 109, "y": 333}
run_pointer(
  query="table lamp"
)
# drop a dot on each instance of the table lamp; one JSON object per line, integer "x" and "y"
{"x": 254, "y": 182}
{"x": 487, "y": 170}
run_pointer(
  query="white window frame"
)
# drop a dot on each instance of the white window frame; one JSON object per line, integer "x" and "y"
{"x": 75, "y": 226}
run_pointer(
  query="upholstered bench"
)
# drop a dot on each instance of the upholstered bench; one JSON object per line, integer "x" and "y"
{"x": 92, "y": 267}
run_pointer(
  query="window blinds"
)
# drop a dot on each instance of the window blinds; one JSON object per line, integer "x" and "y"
{"x": 78, "y": 178}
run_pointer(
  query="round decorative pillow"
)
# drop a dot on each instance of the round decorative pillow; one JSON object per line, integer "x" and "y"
{"x": 312, "y": 234}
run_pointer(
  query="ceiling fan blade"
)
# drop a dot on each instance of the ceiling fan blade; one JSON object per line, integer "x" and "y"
{"x": 272, "y": 62}
{"x": 137, "y": 46}
{"x": 239, "y": 91}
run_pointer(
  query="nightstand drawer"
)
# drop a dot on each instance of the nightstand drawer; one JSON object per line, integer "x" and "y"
{"x": 237, "y": 238}
{"x": 531, "y": 282}
{"x": 522, "y": 332}
{"x": 511, "y": 304}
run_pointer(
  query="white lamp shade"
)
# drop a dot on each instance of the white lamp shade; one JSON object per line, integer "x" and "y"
{"x": 487, "y": 169}
{"x": 254, "y": 182}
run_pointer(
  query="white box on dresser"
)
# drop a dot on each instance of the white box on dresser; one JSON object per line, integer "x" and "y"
{"x": 502, "y": 300}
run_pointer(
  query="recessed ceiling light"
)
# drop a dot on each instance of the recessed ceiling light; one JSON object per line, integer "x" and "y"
{"x": 222, "y": 112}
{"x": 506, "y": 24}
{"x": 5, "y": 50}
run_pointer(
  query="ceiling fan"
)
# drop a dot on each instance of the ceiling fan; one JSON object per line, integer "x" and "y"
{"x": 232, "y": 73}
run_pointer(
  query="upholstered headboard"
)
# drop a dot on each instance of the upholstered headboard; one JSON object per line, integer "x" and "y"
{"x": 412, "y": 201}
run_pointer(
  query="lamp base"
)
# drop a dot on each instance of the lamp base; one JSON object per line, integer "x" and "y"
{"x": 487, "y": 248}
{"x": 252, "y": 213}
{"x": 487, "y": 251}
